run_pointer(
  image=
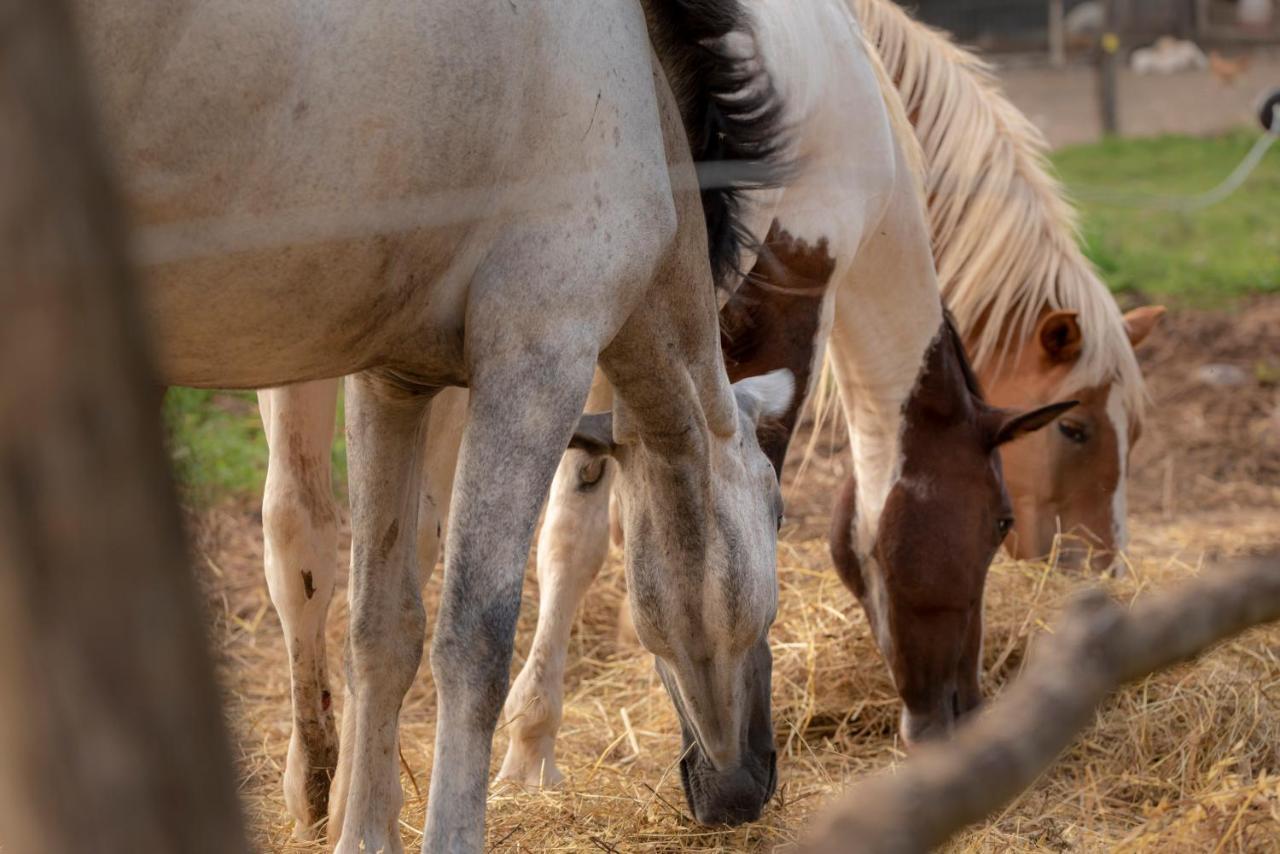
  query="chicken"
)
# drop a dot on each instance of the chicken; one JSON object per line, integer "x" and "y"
{"x": 1227, "y": 69}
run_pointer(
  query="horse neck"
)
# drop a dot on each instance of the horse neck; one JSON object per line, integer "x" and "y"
{"x": 880, "y": 340}
{"x": 887, "y": 316}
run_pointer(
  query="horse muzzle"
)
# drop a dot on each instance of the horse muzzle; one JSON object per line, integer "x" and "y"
{"x": 939, "y": 718}
{"x": 732, "y": 796}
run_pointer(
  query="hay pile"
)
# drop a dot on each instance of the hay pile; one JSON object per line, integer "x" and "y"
{"x": 1187, "y": 761}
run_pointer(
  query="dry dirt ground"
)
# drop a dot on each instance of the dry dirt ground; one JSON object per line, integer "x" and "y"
{"x": 1185, "y": 761}
{"x": 1064, "y": 102}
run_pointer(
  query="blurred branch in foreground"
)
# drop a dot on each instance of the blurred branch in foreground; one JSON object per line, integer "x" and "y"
{"x": 111, "y": 731}
{"x": 1098, "y": 646}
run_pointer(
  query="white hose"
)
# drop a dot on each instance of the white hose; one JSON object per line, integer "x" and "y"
{"x": 1187, "y": 204}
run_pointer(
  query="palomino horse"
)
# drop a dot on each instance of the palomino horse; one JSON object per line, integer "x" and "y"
{"x": 1036, "y": 320}
{"x": 931, "y": 506}
{"x": 494, "y": 195}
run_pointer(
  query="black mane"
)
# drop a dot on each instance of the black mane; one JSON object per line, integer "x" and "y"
{"x": 732, "y": 114}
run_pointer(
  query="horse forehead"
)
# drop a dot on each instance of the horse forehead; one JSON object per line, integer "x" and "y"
{"x": 1106, "y": 404}
{"x": 1121, "y": 420}
{"x": 1025, "y": 378}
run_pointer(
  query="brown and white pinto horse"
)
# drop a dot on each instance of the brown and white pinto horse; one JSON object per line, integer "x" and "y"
{"x": 847, "y": 255}
{"x": 1005, "y": 244}
{"x": 1036, "y": 320}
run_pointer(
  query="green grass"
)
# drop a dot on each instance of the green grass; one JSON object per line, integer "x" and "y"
{"x": 1209, "y": 258}
{"x": 218, "y": 447}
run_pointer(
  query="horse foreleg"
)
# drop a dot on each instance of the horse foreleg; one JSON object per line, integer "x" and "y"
{"x": 522, "y": 413}
{"x": 299, "y": 528}
{"x": 385, "y": 426}
{"x": 572, "y": 546}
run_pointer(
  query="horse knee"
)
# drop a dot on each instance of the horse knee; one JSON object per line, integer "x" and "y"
{"x": 300, "y": 537}
{"x": 471, "y": 655}
{"x": 387, "y": 643}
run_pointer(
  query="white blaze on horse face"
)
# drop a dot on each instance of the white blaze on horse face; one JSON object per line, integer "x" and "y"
{"x": 1119, "y": 416}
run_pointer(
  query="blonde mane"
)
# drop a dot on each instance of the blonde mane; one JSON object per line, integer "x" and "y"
{"x": 1005, "y": 238}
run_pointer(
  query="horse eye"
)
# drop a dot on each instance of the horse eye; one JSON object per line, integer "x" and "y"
{"x": 1004, "y": 526}
{"x": 1074, "y": 431}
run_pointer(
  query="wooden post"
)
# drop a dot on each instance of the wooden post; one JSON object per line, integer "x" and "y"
{"x": 111, "y": 731}
{"x": 1108, "y": 69}
{"x": 1202, "y": 23}
{"x": 1057, "y": 34}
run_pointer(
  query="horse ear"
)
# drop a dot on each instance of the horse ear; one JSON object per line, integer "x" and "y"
{"x": 1005, "y": 425}
{"x": 1059, "y": 335}
{"x": 767, "y": 396}
{"x": 1141, "y": 322}
{"x": 594, "y": 435}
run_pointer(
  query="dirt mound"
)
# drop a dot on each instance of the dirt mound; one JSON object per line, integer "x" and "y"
{"x": 1212, "y": 437}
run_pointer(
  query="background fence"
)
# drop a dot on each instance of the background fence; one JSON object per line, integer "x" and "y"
{"x": 1025, "y": 25}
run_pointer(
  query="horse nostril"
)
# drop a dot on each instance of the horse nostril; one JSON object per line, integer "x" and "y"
{"x": 965, "y": 702}
{"x": 773, "y": 776}
{"x": 956, "y": 711}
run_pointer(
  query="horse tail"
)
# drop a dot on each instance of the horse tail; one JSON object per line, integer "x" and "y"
{"x": 732, "y": 114}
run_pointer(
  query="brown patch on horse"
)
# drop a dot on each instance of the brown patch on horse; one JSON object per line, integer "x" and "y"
{"x": 772, "y": 322}
{"x": 942, "y": 430}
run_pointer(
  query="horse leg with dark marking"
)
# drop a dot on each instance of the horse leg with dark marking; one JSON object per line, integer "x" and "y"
{"x": 522, "y": 412}
{"x": 300, "y": 535}
{"x": 385, "y": 426}
{"x": 445, "y": 423}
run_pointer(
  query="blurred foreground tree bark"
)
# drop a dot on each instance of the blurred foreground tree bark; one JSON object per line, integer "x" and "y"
{"x": 1097, "y": 647}
{"x": 111, "y": 730}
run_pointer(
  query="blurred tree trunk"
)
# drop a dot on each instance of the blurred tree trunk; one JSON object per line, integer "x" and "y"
{"x": 111, "y": 731}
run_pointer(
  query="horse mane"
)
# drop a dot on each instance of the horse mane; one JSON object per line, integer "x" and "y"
{"x": 1005, "y": 239}
{"x": 732, "y": 113}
